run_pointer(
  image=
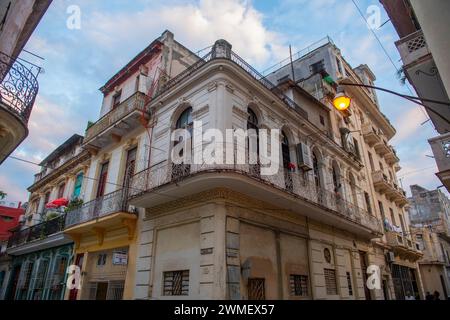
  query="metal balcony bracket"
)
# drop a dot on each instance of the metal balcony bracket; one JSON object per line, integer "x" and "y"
{"x": 130, "y": 224}
{"x": 100, "y": 234}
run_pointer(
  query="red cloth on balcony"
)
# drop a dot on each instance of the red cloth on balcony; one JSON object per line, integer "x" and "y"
{"x": 57, "y": 203}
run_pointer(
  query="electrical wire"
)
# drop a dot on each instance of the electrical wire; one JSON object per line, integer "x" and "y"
{"x": 384, "y": 50}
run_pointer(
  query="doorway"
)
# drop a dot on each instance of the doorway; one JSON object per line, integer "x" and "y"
{"x": 13, "y": 285}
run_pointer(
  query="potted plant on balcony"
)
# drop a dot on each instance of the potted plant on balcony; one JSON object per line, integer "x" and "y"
{"x": 291, "y": 167}
{"x": 75, "y": 203}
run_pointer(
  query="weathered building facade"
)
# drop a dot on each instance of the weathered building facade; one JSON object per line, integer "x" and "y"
{"x": 40, "y": 251}
{"x": 104, "y": 228}
{"x": 429, "y": 215}
{"x": 426, "y": 65}
{"x": 310, "y": 231}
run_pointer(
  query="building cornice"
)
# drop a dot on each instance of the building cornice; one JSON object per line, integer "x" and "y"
{"x": 56, "y": 174}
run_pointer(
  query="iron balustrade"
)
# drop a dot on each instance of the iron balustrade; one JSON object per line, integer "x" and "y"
{"x": 103, "y": 206}
{"x": 245, "y": 66}
{"x": 18, "y": 87}
{"x": 294, "y": 183}
{"x": 37, "y": 232}
{"x": 136, "y": 102}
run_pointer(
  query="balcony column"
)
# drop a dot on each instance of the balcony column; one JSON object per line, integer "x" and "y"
{"x": 41, "y": 206}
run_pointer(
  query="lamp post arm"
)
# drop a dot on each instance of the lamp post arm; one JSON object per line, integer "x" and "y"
{"x": 395, "y": 93}
{"x": 413, "y": 99}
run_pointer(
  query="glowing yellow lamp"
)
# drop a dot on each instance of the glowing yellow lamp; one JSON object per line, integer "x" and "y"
{"x": 342, "y": 102}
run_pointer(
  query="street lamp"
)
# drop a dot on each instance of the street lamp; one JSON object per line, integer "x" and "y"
{"x": 342, "y": 102}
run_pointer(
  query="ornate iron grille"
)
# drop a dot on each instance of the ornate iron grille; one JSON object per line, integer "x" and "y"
{"x": 416, "y": 44}
{"x": 37, "y": 232}
{"x": 18, "y": 87}
{"x": 108, "y": 204}
{"x": 330, "y": 281}
{"x": 115, "y": 290}
{"x": 256, "y": 289}
{"x": 176, "y": 283}
{"x": 298, "y": 285}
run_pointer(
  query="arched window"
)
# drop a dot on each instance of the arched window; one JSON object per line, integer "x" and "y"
{"x": 285, "y": 150}
{"x": 336, "y": 178}
{"x": 185, "y": 120}
{"x": 286, "y": 162}
{"x": 353, "y": 189}
{"x": 253, "y": 129}
{"x": 316, "y": 170}
{"x": 252, "y": 121}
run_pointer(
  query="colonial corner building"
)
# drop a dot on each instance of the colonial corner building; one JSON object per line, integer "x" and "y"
{"x": 141, "y": 227}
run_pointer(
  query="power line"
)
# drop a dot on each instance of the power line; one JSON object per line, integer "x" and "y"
{"x": 416, "y": 171}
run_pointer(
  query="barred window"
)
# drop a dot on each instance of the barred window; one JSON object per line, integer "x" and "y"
{"x": 298, "y": 285}
{"x": 101, "y": 259}
{"x": 330, "y": 281}
{"x": 349, "y": 283}
{"x": 256, "y": 289}
{"x": 176, "y": 283}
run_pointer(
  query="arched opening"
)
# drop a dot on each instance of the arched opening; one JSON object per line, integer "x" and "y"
{"x": 185, "y": 122}
{"x": 253, "y": 143}
{"x": 316, "y": 170}
{"x": 337, "y": 185}
{"x": 285, "y": 151}
{"x": 352, "y": 182}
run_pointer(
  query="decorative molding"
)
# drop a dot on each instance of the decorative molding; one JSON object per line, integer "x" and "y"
{"x": 161, "y": 133}
{"x": 230, "y": 88}
{"x": 212, "y": 86}
{"x": 218, "y": 194}
{"x": 182, "y": 101}
{"x": 240, "y": 112}
{"x": 200, "y": 112}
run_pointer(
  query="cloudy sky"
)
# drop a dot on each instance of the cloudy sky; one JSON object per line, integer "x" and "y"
{"x": 78, "y": 62}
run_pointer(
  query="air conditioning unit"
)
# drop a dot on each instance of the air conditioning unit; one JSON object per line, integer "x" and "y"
{"x": 390, "y": 257}
{"x": 304, "y": 157}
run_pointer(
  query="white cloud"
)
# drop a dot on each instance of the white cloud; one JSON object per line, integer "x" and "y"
{"x": 408, "y": 125}
{"x": 13, "y": 190}
{"x": 197, "y": 26}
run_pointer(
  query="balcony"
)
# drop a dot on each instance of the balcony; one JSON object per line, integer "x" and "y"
{"x": 113, "y": 125}
{"x": 38, "y": 237}
{"x": 382, "y": 148}
{"x": 109, "y": 211}
{"x": 380, "y": 182}
{"x": 391, "y": 157}
{"x": 392, "y": 191}
{"x": 403, "y": 246}
{"x": 441, "y": 150}
{"x": 370, "y": 135}
{"x": 286, "y": 190}
{"x": 412, "y": 48}
{"x": 18, "y": 91}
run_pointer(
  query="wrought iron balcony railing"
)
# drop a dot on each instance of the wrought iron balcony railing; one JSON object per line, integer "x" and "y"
{"x": 133, "y": 103}
{"x": 37, "y": 232}
{"x": 108, "y": 204}
{"x": 292, "y": 182}
{"x": 244, "y": 65}
{"x": 18, "y": 87}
